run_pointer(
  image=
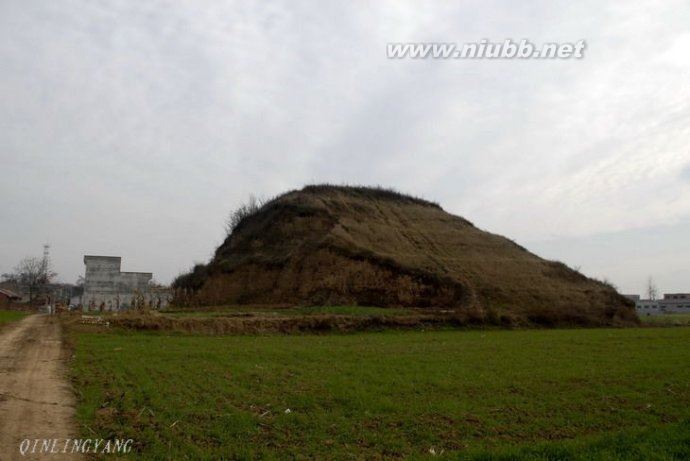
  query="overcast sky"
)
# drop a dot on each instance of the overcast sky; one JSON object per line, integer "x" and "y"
{"x": 131, "y": 128}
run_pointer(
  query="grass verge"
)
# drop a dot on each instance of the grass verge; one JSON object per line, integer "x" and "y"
{"x": 11, "y": 316}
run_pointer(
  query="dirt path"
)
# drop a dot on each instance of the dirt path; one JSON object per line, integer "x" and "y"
{"x": 35, "y": 396}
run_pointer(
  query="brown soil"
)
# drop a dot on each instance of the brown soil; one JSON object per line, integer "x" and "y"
{"x": 328, "y": 245}
{"x": 35, "y": 396}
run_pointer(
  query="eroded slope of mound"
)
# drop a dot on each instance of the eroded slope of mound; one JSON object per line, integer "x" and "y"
{"x": 335, "y": 245}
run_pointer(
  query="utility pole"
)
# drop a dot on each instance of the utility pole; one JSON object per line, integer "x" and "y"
{"x": 45, "y": 262}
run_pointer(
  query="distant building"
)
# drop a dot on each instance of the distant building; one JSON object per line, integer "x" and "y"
{"x": 16, "y": 290}
{"x": 671, "y": 303}
{"x": 7, "y": 297}
{"x": 57, "y": 293}
{"x": 648, "y": 307}
{"x": 675, "y": 302}
{"x": 107, "y": 288}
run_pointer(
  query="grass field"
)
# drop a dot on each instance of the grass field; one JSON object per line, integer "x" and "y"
{"x": 530, "y": 394}
{"x": 10, "y": 316}
{"x": 674, "y": 320}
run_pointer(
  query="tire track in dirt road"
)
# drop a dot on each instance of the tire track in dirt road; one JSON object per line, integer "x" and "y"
{"x": 36, "y": 401}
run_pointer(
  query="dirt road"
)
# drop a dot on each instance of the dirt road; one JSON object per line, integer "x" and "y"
{"x": 35, "y": 397}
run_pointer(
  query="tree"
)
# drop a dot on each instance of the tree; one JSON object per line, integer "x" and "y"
{"x": 652, "y": 290}
{"x": 78, "y": 288}
{"x": 32, "y": 273}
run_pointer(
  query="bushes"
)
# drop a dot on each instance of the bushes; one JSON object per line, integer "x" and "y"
{"x": 193, "y": 279}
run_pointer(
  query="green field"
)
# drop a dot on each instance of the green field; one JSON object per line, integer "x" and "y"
{"x": 11, "y": 316}
{"x": 530, "y": 394}
{"x": 672, "y": 320}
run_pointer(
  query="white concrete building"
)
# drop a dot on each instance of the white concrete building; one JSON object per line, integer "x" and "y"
{"x": 645, "y": 306}
{"x": 671, "y": 303}
{"x": 107, "y": 288}
{"x": 648, "y": 307}
{"x": 675, "y": 303}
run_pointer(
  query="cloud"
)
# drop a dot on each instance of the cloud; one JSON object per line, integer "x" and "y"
{"x": 685, "y": 173}
{"x": 133, "y": 128}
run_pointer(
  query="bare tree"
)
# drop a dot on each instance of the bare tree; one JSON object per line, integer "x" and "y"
{"x": 78, "y": 288}
{"x": 32, "y": 273}
{"x": 652, "y": 290}
{"x": 10, "y": 277}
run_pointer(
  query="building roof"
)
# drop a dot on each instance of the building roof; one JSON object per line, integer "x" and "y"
{"x": 101, "y": 257}
{"x": 9, "y": 293}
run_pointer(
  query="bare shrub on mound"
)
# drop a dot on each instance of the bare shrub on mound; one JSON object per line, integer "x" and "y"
{"x": 242, "y": 212}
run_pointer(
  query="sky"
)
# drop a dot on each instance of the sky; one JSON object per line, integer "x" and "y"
{"x": 132, "y": 128}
